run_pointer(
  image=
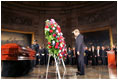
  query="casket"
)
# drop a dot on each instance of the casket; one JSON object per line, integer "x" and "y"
{"x": 16, "y": 61}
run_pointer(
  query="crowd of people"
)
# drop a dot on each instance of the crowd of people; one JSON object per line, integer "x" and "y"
{"x": 92, "y": 55}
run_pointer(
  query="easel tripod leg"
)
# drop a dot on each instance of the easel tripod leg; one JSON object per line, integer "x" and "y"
{"x": 57, "y": 68}
{"x": 47, "y": 67}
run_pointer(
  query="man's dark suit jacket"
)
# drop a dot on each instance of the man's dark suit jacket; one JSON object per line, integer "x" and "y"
{"x": 79, "y": 45}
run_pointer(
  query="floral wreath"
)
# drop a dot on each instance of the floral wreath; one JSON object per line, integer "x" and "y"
{"x": 56, "y": 43}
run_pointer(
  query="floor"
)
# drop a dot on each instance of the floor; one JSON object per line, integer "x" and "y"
{"x": 91, "y": 72}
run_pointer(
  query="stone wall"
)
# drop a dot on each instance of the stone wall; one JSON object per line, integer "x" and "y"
{"x": 90, "y": 16}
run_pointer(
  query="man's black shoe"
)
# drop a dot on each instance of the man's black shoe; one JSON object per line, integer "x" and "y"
{"x": 79, "y": 73}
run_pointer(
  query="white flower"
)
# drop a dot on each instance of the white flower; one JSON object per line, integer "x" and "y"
{"x": 55, "y": 25}
{"x": 59, "y": 51}
{"x": 61, "y": 45}
{"x": 47, "y": 20}
{"x": 47, "y": 29}
{"x": 62, "y": 49}
{"x": 58, "y": 26}
{"x": 59, "y": 34}
{"x": 57, "y": 31}
{"x": 53, "y": 42}
{"x": 53, "y": 28}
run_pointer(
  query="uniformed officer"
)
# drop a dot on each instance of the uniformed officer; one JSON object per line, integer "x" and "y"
{"x": 35, "y": 46}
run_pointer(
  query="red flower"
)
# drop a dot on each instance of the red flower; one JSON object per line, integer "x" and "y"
{"x": 60, "y": 48}
{"x": 61, "y": 37}
{"x": 62, "y": 53}
{"x": 49, "y": 43}
{"x": 54, "y": 35}
{"x": 58, "y": 38}
{"x": 52, "y": 26}
{"x": 50, "y": 46}
{"x": 60, "y": 57}
{"x": 46, "y": 26}
{"x": 59, "y": 29}
{"x": 57, "y": 43}
{"x": 51, "y": 31}
{"x": 56, "y": 46}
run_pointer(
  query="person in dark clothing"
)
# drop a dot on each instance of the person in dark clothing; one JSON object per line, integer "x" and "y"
{"x": 115, "y": 50}
{"x": 73, "y": 57}
{"x": 35, "y": 46}
{"x": 89, "y": 56}
{"x": 79, "y": 50}
{"x": 86, "y": 56}
{"x": 106, "y": 57}
{"x": 51, "y": 60}
{"x": 70, "y": 56}
{"x": 46, "y": 55}
{"x": 103, "y": 55}
{"x": 98, "y": 59}
{"x": 94, "y": 55}
{"x": 42, "y": 56}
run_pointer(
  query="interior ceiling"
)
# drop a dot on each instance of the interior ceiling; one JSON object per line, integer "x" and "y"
{"x": 47, "y": 3}
{"x": 54, "y": 4}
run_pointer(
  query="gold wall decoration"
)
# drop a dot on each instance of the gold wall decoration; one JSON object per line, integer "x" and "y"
{"x": 100, "y": 29}
{"x": 24, "y": 32}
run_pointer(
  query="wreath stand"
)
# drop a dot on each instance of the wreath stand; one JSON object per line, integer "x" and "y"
{"x": 57, "y": 67}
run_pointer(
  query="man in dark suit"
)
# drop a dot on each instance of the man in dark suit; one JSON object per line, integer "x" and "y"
{"x": 103, "y": 55}
{"x": 70, "y": 56}
{"x": 89, "y": 56}
{"x": 98, "y": 59}
{"x": 46, "y": 55}
{"x": 42, "y": 55}
{"x": 79, "y": 49}
{"x": 107, "y": 48}
{"x": 86, "y": 56}
{"x": 94, "y": 55}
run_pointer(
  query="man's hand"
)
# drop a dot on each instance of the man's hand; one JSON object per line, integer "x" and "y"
{"x": 78, "y": 53}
